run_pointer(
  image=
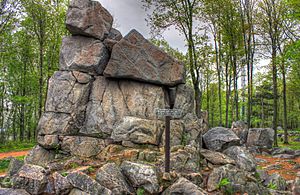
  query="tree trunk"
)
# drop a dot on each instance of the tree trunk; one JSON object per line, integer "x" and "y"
{"x": 286, "y": 140}
{"x": 275, "y": 107}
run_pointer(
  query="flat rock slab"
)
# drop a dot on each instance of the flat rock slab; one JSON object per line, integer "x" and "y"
{"x": 87, "y": 184}
{"x": 88, "y": 18}
{"x": 136, "y": 58}
{"x": 83, "y": 54}
{"x": 216, "y": 158}
{"x": 10, "y": 191}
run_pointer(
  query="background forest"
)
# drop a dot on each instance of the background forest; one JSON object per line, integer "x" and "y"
{"x": 226, "y": 42}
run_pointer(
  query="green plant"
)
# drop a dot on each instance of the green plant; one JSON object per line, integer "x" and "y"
{"x": 272, "y": 186}
{"x": 225, "y": 186}
{"x": 91, "y": 169}
{"x": 64, "y": 174}
{"x": 73, "y": 165}
{"x": 140, "y": 191}
{"x": 4, "y": 164}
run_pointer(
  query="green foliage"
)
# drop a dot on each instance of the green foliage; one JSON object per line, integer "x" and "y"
{"x": 64, "y": 174}
{"x": 140, "y": 191}
{"x": 272, "y": 186}
{"x": 4, "y": 164}
{"x": 225, "y": 186}
{"x": 16, "y": 146}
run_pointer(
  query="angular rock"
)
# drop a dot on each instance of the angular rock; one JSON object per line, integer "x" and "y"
{"x": 277, "y": 181}
{"x": 61, "y": 184}
{"x": 136, "y": 58}
{"x": 10, "y": 191}
{"x": 110, "y": 176}
{"x": 141, "y": 175}
{"x": 216, "y": 158}
{"x": 88, "y": 18}
{"x": 32, "y": 178}
{"x": 296, "y": 185}
{"x": 277, "y": 151}
{"x": 57, "y": 123}
{"x": 14, "y": 166}
{"x": 85, "y": 183}
{"x": 114, "y": 34}
{"x": 83, "y": 54}
{"x": 137, "y": 130}
{"x": 49, "y": 141}
{"x": 65, "y": 94}
{"x": 67, "y": 98}
{"x": 39, "y": 156}
{"x": 184, "y": 187}
{"x": 243, "y": 159}
{"x": 220, "y": 138}
{"x": 260, "y": 137}
{"x": 75, "y": 191}
{"x": 82, "y": 146}
{"x": 240, "y": 128}
{"x": 240, "y": 181}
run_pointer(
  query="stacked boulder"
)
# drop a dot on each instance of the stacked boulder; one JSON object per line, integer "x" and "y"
{"x": 107, "y": 90}
{"x": 100, "y": 112}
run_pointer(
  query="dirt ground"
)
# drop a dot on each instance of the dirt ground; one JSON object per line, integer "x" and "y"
{"x": 13, "y": 154}
{"x": 287, "y": 168}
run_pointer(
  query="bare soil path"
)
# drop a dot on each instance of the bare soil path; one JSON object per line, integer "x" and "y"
{"x": 13, "y": 154}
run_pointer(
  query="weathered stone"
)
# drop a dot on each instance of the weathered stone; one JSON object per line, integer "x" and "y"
{"x": 184, "y": 161}
{"x": 32, "y": 178}
{"x": 220, "y": 138}
{"x": 110, "y": 176}
{"x": 82, "y": 146}
{"x": 39, "y": 156}
{"x": 49, "y": 141}
{"x": 137, "y": 130}
{"x": 141, "y": 175}
{"x": 240, "y": 128}
{"x": 243, "y": 159}
{"x": 216, "y": 158}
{"x": 10, "y": 191}
{"x": 136, "y": 58}
{"x": 240, "y": 181}
{"x": 87, "y": 184}
{"x": 65, "y": 94}
{"x": 277, "y": 181}
{"x": 14, "y": 166}
{"x": 83, "y": 54}
{"x": 284, "y": 156}
{"x": 75, "y": 191}
{"x": 261, "y": 137}
{"x": 61, "y": 184}
{"x": 114, "y": 34}
{"x": 184, "y": 187}
{"x": 277, "y": 151}
{"x": 88, "y": 18}
{"x": 296, "y": 185}
{"x": 57, "y": 123}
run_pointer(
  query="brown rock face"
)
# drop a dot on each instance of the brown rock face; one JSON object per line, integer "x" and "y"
{"x": 88, "y": 18}
{"x": 136, "y": 58}
{"x": 83, "y": 54}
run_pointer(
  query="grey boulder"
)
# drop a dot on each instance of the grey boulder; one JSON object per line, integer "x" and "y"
{"x": 216, "y": 158}
{"x": 184, "y": 187}
{"x": 260, "y": 137}
{"x": 136, "y": 58}
{"x": 87, "y": 184}
{"x": 240, "y": 128}
{"x": 141, "y": 175}
{"x": 110, "y": 176}
{"x": 88, "y": 18}
{"x": 32, "y": 178}
{"x": 14, "y": 166}
{"x": 243, "y": 158}
{"x": 220, "y": 138}
{"x": 39, "y": 156}
{"x": 83, "y": 54}
{"x": 10, "y": 191}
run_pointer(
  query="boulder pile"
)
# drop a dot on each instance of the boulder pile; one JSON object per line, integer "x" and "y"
{"x": 100, "y": 133}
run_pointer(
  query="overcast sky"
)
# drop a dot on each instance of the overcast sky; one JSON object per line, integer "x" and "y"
{"x": 129, "y": 14}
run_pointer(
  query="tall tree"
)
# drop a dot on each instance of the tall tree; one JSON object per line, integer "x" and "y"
{"x": 181, "y": 14}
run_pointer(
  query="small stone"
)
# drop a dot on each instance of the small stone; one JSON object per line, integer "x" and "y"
{"x": 185, "y": 187}
{"x": 141, "y": 175}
